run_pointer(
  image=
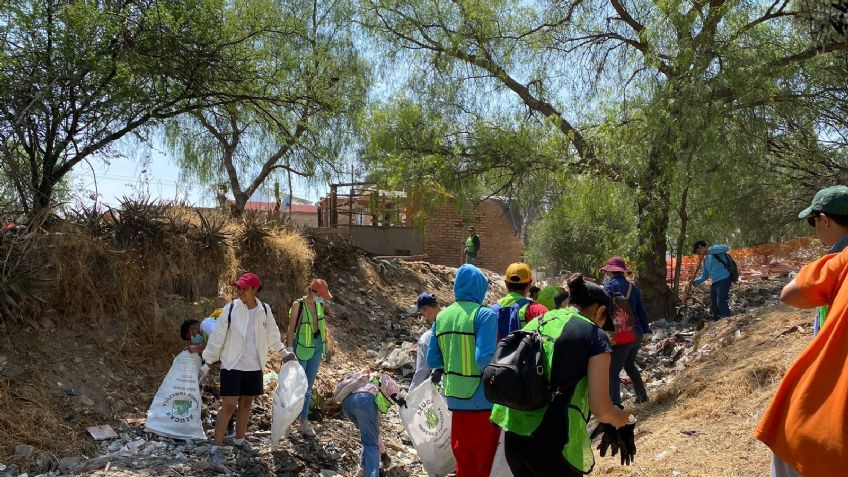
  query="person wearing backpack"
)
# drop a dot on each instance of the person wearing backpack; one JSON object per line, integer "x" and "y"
{"x": 364, "y": 398}
{"x": 241, "y": 341}
{"x": 513, "y": 309}
{"x": 546, "y": 435}
{"x": 716, "y": 266}
{"x": 465, "y": 338}
{"x": 307, "y": 333}
{"x": 624, "y": 351}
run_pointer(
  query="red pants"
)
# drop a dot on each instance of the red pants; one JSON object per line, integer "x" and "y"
{"x": 474, "y": 440}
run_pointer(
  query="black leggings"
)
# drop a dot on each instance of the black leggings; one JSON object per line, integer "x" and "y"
{"x": 540, "y": 455}
{"x": 526, "y": 459}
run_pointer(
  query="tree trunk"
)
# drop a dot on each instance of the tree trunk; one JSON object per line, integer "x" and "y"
{"x": 239, "y": 201}
{"x": 653, "y": 206}
{"x": 43, "y": 196}
{"x": 681, "y": 240}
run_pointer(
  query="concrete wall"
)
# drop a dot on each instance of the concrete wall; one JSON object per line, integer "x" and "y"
{"x": 446, "y": 232}
{"x": 388, "y": 240}
{"x": 305, "y": 219}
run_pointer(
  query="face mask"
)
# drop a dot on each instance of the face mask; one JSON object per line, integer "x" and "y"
{"x": 318, "y": 299}
{"x": 197, "y": 339}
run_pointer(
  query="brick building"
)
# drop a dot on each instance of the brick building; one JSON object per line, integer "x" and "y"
{"x": 379, "y": 221}
{"x": 497, "y": 224}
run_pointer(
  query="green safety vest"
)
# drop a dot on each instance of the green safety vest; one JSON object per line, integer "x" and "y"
{"x": 510, "y": 300}
{"x": 383, "y": 403}
{"x": 821, "y": 314}
{"x": 455, "y": 338}
{"x": 304, "y": 334}
{"x": 578, "y": 451}
{"x": 469, "y": 244}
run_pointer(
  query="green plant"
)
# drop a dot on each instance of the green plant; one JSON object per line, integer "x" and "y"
{"x": 210, "y": 233}
{"x": 254, "y": 233}
{"x": 141, "y": 221}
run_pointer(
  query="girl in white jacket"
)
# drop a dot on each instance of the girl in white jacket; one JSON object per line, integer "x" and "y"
{"x": 244, "y": 334}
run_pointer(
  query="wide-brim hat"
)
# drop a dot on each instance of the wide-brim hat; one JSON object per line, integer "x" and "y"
{"x": 615, "y": 265}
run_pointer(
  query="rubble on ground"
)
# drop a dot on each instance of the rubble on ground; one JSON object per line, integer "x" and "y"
{"x": 745, "y": 296}
{"x": 335, "y": 450}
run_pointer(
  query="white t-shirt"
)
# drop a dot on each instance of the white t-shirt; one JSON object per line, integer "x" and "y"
{"x": 422, "y": 371}
{"x": 249, "y": 360}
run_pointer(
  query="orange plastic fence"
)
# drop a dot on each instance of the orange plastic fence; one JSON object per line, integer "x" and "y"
{"x": 769, "y": 259}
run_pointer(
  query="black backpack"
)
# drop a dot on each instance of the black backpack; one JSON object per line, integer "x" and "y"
{"x": 730, "y": 265}
{"x": 515, "y": 377}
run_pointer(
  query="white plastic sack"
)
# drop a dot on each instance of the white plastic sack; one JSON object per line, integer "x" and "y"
{"x": 499, "y": 466}
{"x": 175, "y": 411}
{"x": 288, "y": 399}
{"x": 428, "y": 423}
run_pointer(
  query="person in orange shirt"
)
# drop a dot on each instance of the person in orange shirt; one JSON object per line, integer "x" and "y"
{"x": 806, "y": 424}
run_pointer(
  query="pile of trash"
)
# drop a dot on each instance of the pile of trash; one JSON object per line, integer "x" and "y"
{"x": 126, "y": 449}
{"x": 745, "y": 296}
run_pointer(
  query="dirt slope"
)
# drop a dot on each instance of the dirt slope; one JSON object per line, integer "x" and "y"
{"x": 61, "y": 374}
{"x": 702, "y": 423}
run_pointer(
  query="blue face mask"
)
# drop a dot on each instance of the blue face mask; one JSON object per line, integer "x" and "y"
{"x": 318, "y": 299}
{"x": 197, "y": 339}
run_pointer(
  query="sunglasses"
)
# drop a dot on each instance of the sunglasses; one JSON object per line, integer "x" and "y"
{"x": 811, "y": 219}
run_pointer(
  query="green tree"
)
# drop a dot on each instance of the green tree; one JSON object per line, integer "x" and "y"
{"x": 656, "y": 73}
{"x": 313, "y": 82}
{"x": 77, "y": 76}
{"x": 590, "y": 222}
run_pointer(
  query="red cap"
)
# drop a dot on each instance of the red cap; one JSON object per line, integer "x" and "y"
{"x": 248, "y": 280}
{"x": 320, "y": 287}
{"x": 615, "y": 264}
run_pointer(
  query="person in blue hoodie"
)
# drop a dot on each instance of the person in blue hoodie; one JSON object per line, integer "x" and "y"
{"x": 466, "y": 336}
{"x": 715, "y": 268}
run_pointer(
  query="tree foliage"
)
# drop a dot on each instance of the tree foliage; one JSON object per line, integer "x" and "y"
{"x": 77, "y": 76}
{"x": 659, "y": 97}
{"x": 313, "y": 83}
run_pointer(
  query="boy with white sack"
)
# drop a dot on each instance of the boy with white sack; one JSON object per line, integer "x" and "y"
{"x": 364, "y": 398}
{"x": 244, "y": 334}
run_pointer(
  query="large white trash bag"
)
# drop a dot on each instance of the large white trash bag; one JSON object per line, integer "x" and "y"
{"x": 428, "y": 423}
{"x": 175, "y": 411}
{"x": 499, "y": 466}
{"x": 288, "y": 399}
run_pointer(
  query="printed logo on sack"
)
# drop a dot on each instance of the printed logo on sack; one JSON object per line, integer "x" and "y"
{"x": 433, "y": 418}
{"x": 183, "y": 407}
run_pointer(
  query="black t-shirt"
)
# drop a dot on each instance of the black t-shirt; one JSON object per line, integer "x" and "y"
{"x": 578, "y": 342}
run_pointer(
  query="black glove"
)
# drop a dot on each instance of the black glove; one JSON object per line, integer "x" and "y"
{"x": 399, "y": 400}
{"x": 628, "y": 443}
{"x": 609, "y": 439}
{"x": 436, "y": 376}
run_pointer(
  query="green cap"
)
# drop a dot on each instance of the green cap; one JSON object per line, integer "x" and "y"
{"x": 832, "y": 200}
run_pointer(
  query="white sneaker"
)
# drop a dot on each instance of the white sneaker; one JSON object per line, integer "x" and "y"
{"x": 217, "y": 460}
{"x": 305, "y": 428}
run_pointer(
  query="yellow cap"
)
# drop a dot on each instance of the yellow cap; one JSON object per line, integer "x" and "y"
{"x": 518, "y": 273}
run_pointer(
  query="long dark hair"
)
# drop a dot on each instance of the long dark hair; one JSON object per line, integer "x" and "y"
{"x": 585, "y": 293}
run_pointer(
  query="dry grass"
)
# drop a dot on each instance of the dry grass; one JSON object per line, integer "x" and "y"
{"x": 281, "y": 256}
{"x": 702, "y": 424}
{"x": 30, "y": 414}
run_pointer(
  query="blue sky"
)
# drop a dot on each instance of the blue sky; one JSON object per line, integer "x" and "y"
{"x": 139, "y": 168}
